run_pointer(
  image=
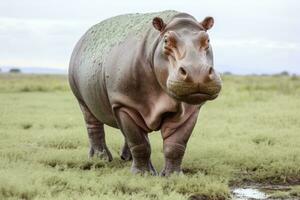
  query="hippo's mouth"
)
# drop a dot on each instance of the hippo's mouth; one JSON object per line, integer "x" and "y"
{"x": 197, "y": 98}
{"x": 192, "y": 93}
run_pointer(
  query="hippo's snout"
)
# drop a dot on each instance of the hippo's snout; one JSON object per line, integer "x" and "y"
{"x": 195, "y": 86}
{"x": 206, "y": 74}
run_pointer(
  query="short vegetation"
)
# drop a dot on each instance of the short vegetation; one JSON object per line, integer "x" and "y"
{"x": 249, "y": 135}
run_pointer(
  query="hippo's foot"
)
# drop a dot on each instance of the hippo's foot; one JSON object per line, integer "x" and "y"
{"x": 126, "y": 154}
{"x": 102, "y": 153}
{"x": 173, "y": 157}
{"x": 143, "y": 168}
{"x": 141, "y": 163}
{"x": 171, "y": 169}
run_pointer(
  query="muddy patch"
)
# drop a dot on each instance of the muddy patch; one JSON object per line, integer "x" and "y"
{"x": 259, "y": 192}
{"x": 248, "y": 193}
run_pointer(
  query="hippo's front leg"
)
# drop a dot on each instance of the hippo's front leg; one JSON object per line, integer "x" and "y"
{"x": 137, "y": 141}
{"x": 175, "y": 143}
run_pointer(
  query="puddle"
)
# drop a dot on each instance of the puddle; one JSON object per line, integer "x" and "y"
{"x": 248, "y": 194}
{"x": 258, "y": 192}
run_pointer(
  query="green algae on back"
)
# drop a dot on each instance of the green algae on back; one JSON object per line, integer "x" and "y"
{"x": 102, "y": 37}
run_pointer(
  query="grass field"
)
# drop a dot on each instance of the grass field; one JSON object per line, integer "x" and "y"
{"x": 249, "y": 135}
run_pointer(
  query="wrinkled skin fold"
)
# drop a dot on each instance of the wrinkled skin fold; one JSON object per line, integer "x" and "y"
{"x": 142, "y": 73}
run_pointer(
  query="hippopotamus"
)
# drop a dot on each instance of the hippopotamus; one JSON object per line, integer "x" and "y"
{"x": 141, "y": 73}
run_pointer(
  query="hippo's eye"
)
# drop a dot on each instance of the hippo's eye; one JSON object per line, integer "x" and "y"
{"x": 165, "y": 40}
{"x": 206, "y": 48}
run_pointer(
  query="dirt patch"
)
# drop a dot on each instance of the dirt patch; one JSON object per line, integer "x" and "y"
{"x": 261, "y": 192}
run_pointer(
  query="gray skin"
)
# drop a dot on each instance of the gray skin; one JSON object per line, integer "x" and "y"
{"x": 142, "y": 73}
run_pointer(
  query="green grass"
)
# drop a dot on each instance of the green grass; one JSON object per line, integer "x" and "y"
{"x": 250, "y": 134}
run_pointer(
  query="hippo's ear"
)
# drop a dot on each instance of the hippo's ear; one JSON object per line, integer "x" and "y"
{"x": 159, "y": 24}
{"x": 207, "y": 23}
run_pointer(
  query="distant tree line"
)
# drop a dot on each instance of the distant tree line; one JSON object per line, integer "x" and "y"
{"x": 13, "y": 70}
{"x": 283, "y": 73}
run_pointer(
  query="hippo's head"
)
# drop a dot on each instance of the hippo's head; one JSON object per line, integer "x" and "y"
{"x": 183, "y": 59}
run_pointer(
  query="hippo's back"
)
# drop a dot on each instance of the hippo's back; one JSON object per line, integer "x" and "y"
{"x": 102, "y": 37}
{"x": 86, "y": 71}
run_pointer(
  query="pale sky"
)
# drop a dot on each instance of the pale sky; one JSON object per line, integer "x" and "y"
{"x": 249, "y": 36}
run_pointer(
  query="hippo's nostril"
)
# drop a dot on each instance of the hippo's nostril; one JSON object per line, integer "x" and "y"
{"x": 210, "y": 70}
{"x": 182, "y": 73}
{"x": 210, "y": 73}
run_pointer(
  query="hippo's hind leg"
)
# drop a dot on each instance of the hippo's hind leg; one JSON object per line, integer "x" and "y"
{"x": 96, "y": 135}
